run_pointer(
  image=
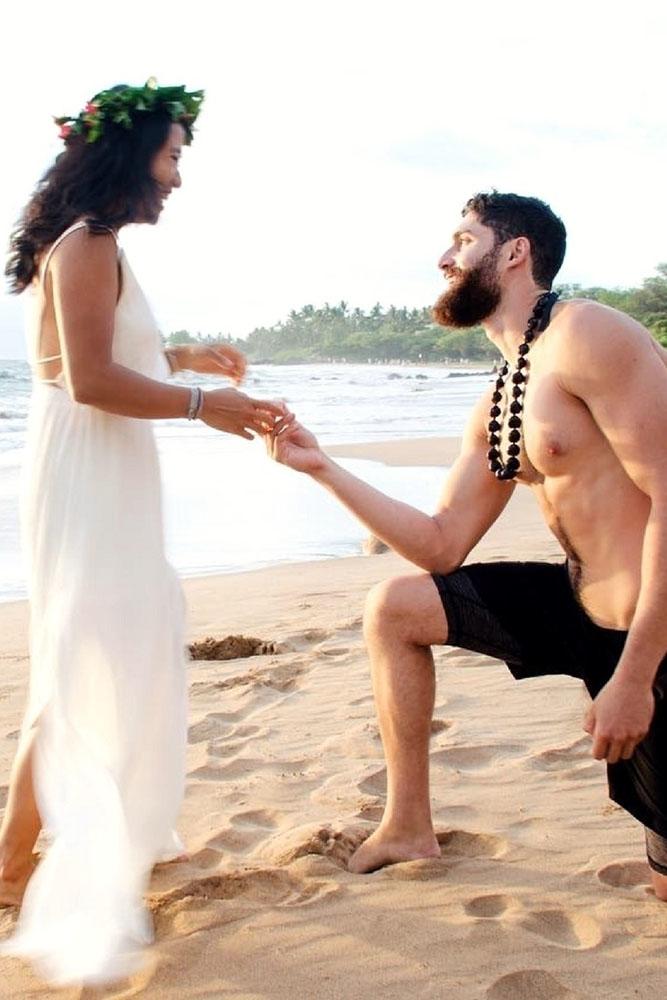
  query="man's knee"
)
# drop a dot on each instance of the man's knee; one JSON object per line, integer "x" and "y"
{"x": 406, "y": 607}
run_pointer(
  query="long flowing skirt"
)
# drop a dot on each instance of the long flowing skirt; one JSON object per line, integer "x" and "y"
{"x": 107, "y": 702}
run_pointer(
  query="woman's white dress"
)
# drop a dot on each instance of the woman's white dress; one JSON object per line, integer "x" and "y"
{"x": 107, "y": 695}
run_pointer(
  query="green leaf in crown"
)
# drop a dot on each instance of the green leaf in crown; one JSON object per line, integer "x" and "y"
{"x": 123, "y": 105}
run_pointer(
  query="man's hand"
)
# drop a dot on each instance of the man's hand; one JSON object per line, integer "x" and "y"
{"x": 618, "y": 719}
{"x": 209, "y": 359}
{"x": 234, "y": 412}
{"x": 291, "y": 444}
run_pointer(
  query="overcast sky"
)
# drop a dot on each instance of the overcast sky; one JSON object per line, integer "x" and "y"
{"x": 338, "y": 141}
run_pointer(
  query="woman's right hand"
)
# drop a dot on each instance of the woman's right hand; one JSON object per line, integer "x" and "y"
{"x": 234, "y": 412}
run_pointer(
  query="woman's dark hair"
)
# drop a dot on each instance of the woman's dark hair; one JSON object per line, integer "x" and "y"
{"x": 512, "y": 215}
{"x": 107, "y": 181}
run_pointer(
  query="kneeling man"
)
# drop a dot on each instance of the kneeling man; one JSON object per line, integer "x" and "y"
{"x": 578, "y": 414}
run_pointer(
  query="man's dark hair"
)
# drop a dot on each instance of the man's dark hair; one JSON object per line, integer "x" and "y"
{"x": 108, "y": 181}
{"x": 513, "y": 215}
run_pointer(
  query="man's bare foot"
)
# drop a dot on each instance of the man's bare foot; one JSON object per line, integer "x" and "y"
{"x": 381, "y": 849}
{"x": 659, "y": 885}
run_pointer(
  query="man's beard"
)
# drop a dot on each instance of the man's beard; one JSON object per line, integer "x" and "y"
{"x": 472, "y": 295}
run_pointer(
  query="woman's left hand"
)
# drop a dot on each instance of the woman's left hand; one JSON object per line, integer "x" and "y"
{"x": 209, "y": 359}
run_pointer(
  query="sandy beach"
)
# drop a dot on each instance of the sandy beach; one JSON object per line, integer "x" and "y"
{"x": 541, "y": 891}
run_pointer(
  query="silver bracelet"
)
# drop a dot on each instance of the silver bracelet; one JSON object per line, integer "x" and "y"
{"x": 200, "y": 405}
{"x": 196, "y": 402}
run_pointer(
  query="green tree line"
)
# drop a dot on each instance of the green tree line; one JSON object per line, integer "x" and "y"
{"x": 341, "y": 333}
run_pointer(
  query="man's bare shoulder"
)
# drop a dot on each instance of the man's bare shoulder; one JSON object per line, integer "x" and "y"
{"x": 583, "y": 330}
{"x": 580, "y": 315}
{"x": 591, "y": 344}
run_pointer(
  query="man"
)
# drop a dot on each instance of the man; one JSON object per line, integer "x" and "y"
{"x": 578, "y": 414}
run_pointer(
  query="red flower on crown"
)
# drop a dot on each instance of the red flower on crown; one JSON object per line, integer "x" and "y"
{"x": 65, "y": 131}
{"x": 91, "y": 108}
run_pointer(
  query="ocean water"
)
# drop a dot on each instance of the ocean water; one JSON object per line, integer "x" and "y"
{"x": 227, "y": 507}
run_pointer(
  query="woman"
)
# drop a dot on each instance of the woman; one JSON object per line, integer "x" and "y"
{"x": 101, "y": 758}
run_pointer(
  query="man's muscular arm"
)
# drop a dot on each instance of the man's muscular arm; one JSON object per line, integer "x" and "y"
{"x": 470, "y": 502}
{"x": 609, "y": 362}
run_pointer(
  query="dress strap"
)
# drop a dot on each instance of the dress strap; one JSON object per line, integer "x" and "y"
{"x": 82, "y": 224}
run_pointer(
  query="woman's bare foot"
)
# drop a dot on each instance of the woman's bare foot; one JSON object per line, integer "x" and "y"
{"x": 13, "y": 884}
{"x": 382, "y": 848}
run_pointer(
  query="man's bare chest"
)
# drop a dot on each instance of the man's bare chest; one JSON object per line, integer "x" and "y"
{"x": 557, "y": 434}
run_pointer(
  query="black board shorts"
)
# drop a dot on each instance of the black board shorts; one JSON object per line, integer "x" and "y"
{"x": 528, "y": 615}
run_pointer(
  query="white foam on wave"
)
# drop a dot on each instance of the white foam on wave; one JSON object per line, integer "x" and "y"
{"x": 227, "y": 508}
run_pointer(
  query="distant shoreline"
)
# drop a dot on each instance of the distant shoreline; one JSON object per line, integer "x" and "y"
{"x": 481, "y": 366}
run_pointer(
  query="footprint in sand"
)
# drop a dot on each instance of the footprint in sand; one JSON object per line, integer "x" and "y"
{"x": 209, "y": 901}
{"x": 241, "y": 768}
{"x": 246, "y": 829}
{"x": 214, "y": 725}
{"x": 622, "y": 874}
{"x": 529, "y": 984}
{"x": 249, "y": 767}
{"x": 265, "y": 819}
{"x": 463, "y": 844}
{"x": 558, "y": 758}
{"x": 374, "y": 784}
{"x": 234, "y": 740}
{"x": 437, "y": 726}
{"x": 283, "y": 677}
{"x": 235, "y": 840}
{"x": 3, "y": 796}
{"x": 310, "y": 636}
{"x": 249, "y": 679}
{"x": 472, "y": 758}
{"x": 246, "y": 732}
{"x": 206, "y": 857}
{"x": 490, "y": 907}
{"x": 422, "y": 870}
{"x": 223, "y": 749}
{"x": 575, "y": 931}
{"x": 278, "y": 677}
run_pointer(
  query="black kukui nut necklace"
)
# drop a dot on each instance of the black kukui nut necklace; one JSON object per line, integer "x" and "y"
{"x": 537, "y": 323}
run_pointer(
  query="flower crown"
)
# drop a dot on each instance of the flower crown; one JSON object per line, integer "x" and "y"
{"x": 123, "y": 105}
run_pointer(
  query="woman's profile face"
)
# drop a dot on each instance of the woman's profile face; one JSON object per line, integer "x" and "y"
{"x": 164, "y": 168}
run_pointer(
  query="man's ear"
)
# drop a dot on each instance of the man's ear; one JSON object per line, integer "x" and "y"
{"x": 519, "y": 250}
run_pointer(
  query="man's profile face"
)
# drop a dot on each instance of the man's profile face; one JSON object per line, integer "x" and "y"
{"x": 470, "y": 267}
